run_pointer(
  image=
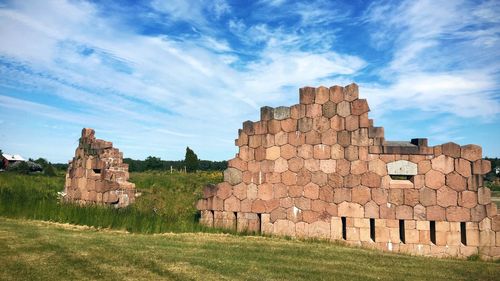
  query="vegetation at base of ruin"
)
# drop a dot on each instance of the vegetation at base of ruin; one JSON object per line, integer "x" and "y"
{"x": 152, "y": 163}
{"x": 166, "y": 203}
{"x": 31, "y": 250}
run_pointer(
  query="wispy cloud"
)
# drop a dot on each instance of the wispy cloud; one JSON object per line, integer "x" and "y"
{"x": 182, "y": 73}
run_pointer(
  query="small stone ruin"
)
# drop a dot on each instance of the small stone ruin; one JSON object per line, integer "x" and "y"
{"x": 97, "y": 174}
{"x": 321, "y": 169}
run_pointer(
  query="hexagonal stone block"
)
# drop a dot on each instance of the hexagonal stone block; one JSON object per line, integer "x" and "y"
{"x": 481, "y": 167}
{"x": 265, "y": 191}
{"x": 427, "y": 196}
{"x": 360, "y": 195}
{"x": 305, "y": 124}
{"x": 344, "y": 109}
{"x": 327, "y": 166}
{"x": 359, "y": 107}
{"x": 436, "y": 213}
{"x": 322, "y": 95}
{"x": 273, "y": 153}
{"x": 443, "y": 163}
{"x": 370, "y": 179}
{"x": 351, "y": 92}
{"x": 307, "y": 95}
{"x": 456, "y": 214}
{"x": 352, "y": 210}
{"x": 377, "y": 166}
{"x": 463, "y": 167}
{"x": 281, "y": 112}
{"x": 434, "y": 179}
{"x": 321, "y": 151}
{"x": 455, "y": 181}
{"x": 232, "y": 204}
{"x": 329, "y": 109}
{"x": 280, "y": 165}
{"x": 467, "y": 199}
{"x": 471, "y": 152}
{"x": 233, "y": 176}
{"x": 447, "y": 197}
{"x": 336, "y": 93}
{"x": 451, "y": 149}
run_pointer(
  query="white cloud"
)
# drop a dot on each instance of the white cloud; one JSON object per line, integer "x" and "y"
{"x": 426, "y": 71}
{"x": 167, "y": 90}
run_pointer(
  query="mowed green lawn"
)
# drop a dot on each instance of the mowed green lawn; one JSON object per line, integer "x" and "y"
{"x": 34, "y": 250}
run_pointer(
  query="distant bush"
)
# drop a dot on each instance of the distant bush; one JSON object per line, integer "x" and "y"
{"x": 25, "y": 167}
{"x": 156, "y": 164}
{"x": 49, "y": 170}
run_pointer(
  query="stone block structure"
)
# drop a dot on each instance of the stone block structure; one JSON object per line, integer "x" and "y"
{"x": 97, "y": 174}
{"x": 321, "y": 169}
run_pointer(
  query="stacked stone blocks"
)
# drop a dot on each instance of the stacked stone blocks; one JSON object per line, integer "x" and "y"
{"x": 321, "y": 169}
{"x": 97, "y": 174}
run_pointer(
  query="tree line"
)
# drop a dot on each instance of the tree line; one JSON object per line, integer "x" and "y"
{"x": 191, "y": 163}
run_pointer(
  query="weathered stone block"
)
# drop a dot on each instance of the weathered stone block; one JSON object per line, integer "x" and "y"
{"x": 402, "y": 167}
{"x": 351, "y": 92}
{"x": 471, "y": 152}
{"x": 329, "y": 109}
{"x": 457, "y": 214}
{"x": 321, "y": 151}
{"x": 478, "y": 213}
{"x": 455, "y": 181}
{"x": 436, "y": 213}
{"x": 343, "y": 109}
{"x": 370, "y": 179}
{"x": 443, "y": 164}
{"x": 451, "y": 149}
{"x": 305, "y": 124}
{"x": 352, "y": 210}
{"x": 233, "y": 176}
{"x": 307, "y": 95}
{"x": 467, "y": 199}
{"x": 446, "y": 197}
{"x": 484, "y": 196}
{"x": 481, "y": 167}
{"x": 434, "y": 179}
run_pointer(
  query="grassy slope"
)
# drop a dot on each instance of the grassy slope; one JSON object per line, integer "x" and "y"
{"x": 166, "y": 204}
{"x": 31, "y": 250}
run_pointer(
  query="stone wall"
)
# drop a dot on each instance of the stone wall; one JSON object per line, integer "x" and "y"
{"x": 97, "y": 174}
{"x": 322, "y": 169}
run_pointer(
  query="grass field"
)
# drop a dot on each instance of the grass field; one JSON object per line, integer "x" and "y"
{"x": 166, "y": 204}
{"x": 33, "y": 250}
{"x": 119, "y": 244}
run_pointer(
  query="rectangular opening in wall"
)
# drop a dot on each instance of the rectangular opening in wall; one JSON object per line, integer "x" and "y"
{"x": 463, "y": 233}
{"x": 213, "y": 217}
{"x": 235, "y": 221}
{"x": 96, "y": 171}
{"x": 344, "y": 228}
{"x": 402, "y": 231}
{"x": 401, "y": 177}
{"x": 259, "y": 229}
{"x": 372, "y": 229}
{"x": 433, "y": 231}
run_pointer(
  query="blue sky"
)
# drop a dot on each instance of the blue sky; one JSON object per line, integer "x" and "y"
{"x": 156, "y": 76}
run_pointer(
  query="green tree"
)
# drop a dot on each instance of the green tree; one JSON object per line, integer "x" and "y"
{"x": 1, "y": 159}
{"x": 191, "y": 160}
{"x": 153, "y": 163}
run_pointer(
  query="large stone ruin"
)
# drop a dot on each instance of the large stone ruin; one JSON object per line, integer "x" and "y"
{"x": 322, "y": 169}
{"x": 97, "y": 174}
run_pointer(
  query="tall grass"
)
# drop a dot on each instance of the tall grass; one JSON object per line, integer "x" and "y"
{"x": 166, "y": 204}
